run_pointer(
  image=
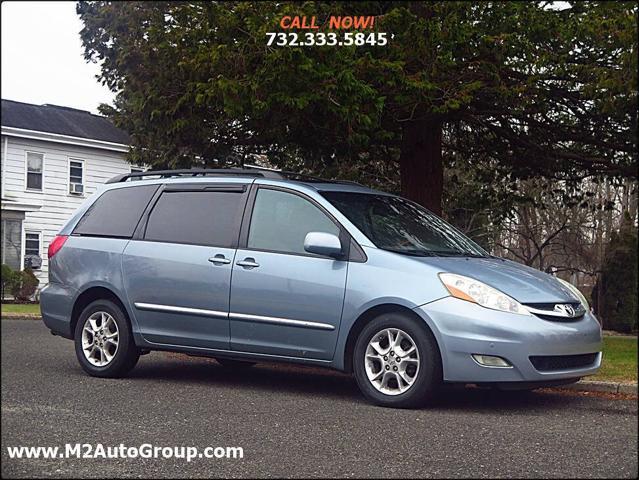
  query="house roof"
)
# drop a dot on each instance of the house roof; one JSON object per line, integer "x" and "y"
{"x": 62, "y": 121}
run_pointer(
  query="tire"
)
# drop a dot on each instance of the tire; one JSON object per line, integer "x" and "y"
{"x": 104, "y": 314}
{"x": 231, "y": 363}
{"x": 425, "y": 378}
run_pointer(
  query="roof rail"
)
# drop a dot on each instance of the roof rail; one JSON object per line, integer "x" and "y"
{"x": 247, "y": 171}
{"x": 285, "y": 174}
{"x": 301, "y": 176}
{"x": 195, "y": 172}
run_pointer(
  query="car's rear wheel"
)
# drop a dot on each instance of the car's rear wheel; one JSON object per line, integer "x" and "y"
{"x": 232, "y": 363}
{"x": 396, "y": 361}
{"x": 103, "y": 341}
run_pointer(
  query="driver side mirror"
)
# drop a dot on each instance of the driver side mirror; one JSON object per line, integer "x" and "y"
{"x": 322, "y": 243}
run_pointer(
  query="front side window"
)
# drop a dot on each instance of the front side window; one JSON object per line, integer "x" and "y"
{"x": 281, "y": 221}
{"x": 197, "y": 218}
{"x": 32, "y": 249}
{"x": 35, "y": 166}
{"x": 395, "y": 224}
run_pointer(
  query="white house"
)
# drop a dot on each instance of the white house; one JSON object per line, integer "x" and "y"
{"x": 52, "y": 159}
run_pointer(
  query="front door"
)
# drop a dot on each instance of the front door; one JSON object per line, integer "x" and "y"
{"x": 285, "y": 301}
{"x": 178, "y": 273}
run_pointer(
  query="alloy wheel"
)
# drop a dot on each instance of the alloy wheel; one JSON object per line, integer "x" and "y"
{"x": 100, "y": 339}
{"x": 392, "y": 361}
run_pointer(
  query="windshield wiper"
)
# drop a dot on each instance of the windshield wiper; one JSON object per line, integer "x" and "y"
{"x": 412, "y": 253}
{"x": 443, "y": 253}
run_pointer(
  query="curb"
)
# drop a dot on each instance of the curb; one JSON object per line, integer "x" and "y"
{"x": 21, "y": 316}
{"x": 598, "y": 386}
{"x": 612, "y": 333}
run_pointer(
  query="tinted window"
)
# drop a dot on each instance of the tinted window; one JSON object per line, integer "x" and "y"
{"x": 281, "y": 221}
{"x": 398, "y": 225}
{"x": 198, "y": 218}
{"x": 116, "y": 213}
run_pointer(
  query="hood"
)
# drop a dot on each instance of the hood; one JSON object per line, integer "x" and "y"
{"x": 524, "y": 284}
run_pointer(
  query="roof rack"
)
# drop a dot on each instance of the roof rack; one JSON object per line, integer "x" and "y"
{"x": 247, "y": 171}
{"x": 301, "y": 176}
{"x": 287, "y": 175}
{"x": 193, "y": 172}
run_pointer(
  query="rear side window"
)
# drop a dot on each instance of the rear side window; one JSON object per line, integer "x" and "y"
{"x": 197, "y": 218}
{"x": 116, "y": 213}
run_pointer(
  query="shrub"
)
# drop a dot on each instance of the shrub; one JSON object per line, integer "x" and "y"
{"x": 25, "y": 285}
{"x": 618, "y": 281}
{"x": 9, "y": 278}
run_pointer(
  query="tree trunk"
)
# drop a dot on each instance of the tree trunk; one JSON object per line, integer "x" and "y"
{"x": 608, "y": 226}
{"x": 421, "y": 168}
{"x": 630, "y": 186}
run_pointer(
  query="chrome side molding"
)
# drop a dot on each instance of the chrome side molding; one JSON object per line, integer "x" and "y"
{"x": 281, "y": 321}
{"x": 173, "y": 309}
{"x": 236, "y": 316}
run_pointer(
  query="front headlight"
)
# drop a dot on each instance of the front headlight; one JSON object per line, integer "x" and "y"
{"x": 471, "y": 290}
{"x": 575, "y": 291}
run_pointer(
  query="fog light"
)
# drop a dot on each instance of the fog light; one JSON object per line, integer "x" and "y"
{"x": 490, "y": 361}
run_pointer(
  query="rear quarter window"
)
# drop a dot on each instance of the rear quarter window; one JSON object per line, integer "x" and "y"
{"x": 116, "y": 212}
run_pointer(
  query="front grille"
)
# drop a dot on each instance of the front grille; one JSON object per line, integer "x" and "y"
{"x": 549, "y": 363}
{"x": 539, "y": 309}
{"x": 558, "y": 319}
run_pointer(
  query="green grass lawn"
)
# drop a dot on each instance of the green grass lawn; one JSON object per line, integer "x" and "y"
{"x": 619, "y": 360}
{"x": 21, "y": 308}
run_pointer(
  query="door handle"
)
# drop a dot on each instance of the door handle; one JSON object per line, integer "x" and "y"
{"x": 219, "y": 258}
{"x": 248, "y": 262}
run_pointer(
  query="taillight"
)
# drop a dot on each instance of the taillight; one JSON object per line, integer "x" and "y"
{"x": 56, "y": 245}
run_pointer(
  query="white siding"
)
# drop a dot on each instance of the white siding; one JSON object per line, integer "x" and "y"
{"x": 2, "y": 140}
{"x": 56, "y": 204}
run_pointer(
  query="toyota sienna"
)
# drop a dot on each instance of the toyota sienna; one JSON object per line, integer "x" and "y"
{"x": 254, "y": 265}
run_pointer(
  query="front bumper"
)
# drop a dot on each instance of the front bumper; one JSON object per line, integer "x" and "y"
{"x": 463, "y": 328}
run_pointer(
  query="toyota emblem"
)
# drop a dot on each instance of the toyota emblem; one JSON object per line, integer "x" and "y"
{"x": 565, "y": 309}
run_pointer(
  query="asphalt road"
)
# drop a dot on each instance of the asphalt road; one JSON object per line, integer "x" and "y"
{"x": 292, "y": 421}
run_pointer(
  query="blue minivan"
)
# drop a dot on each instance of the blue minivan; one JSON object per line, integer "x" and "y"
{"x": 253, "y": 265}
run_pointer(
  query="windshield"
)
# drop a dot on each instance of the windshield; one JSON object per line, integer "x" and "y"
{"x": 398, "y": 225}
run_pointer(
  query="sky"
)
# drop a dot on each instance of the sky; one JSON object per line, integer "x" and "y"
{"x": 42, "y": 58}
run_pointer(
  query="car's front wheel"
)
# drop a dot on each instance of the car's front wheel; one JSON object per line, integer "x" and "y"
{"x": 396, "y": 361}
{"x": 103, "y": 341}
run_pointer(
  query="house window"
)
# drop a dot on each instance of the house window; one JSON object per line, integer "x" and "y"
{"x": 11, "y": 241}
{"x": 32, "y": 241}
{"x": 35, "y": 165}
{"x": 76, "y": 176}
